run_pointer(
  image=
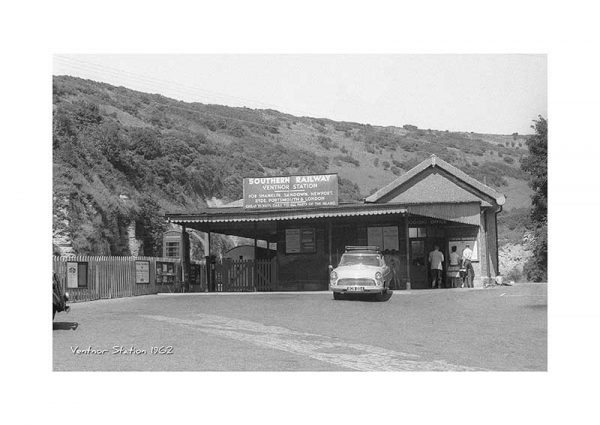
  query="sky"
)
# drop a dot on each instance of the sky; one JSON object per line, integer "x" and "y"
{"x": 498, "y": 94}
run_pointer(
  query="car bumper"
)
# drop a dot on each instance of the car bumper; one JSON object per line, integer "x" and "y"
{"x": 351, "y": 289}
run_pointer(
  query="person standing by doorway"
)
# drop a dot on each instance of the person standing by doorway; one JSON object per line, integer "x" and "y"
{"x": 454, "y": 267}
{"x": 436, "y": 258}
{"x": 466, "y": 258}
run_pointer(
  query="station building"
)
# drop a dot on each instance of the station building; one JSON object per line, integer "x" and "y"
{"x": 434, "y": 203}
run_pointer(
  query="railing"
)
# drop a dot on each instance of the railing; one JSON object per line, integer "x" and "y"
{"x": 88, "y": 278}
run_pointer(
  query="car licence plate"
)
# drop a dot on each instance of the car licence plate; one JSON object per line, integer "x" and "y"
{"x": 356, "y": 288}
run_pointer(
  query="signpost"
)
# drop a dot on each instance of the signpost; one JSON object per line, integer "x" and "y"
{"x": 291, "y": 191}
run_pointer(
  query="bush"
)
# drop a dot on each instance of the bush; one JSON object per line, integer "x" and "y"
{"x": 509, "y": 159}
{"x": 514, "y": 275}
{"x": 347, "y": 158}
{"x": 386, "y": 165}
{"x": 536, "y": 268}
{"x": 325, "y": 142}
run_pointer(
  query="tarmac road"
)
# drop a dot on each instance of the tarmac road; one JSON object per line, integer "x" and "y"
{"x": 502, "y": 328}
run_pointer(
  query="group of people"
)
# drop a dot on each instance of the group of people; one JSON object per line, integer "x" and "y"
{"x": 460, "y": 270}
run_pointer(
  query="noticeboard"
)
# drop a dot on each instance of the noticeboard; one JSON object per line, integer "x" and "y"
{"x": 142, "y": 272}
{"x": 72, "y": 275}
{"x": 291, "y": 191}
{"x": 300, "y": 241}
{"x": 383, "y": 237}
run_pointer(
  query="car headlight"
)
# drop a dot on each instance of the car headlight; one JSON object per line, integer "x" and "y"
{"x": 378, "y": 275}
{"x": 333, "y": 276}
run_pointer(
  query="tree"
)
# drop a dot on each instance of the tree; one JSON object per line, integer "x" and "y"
{"x": 150, "y": 226}
{"x": 536, "y": 165}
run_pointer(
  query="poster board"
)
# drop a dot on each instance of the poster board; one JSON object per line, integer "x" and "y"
{"x": 300, "y": 241}
{"x": 72, "y": 275}
{"x": 383, "y": 237}
{"x": 142, "y": 272}
{"x": 390, "y": 237}
{"x": 375, "y": 237}
{"x": 307, "y": 240}
{"x": 461, "y": 245}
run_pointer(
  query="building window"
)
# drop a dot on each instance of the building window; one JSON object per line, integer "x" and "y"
{"x": 417, "y": 232}
{"x": 172, "y": 249}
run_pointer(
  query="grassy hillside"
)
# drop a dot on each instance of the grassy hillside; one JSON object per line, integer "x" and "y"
{"x": 168, "y": 155}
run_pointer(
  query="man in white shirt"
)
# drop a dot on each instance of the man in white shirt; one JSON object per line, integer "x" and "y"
{"x": 467, "y": 254}
{"x": 436, "y": 258}
{"x": 453, "y": 272}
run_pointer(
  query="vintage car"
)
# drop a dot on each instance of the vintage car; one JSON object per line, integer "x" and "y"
{"x": 59, "y": 297}
{"x": 362, "y": 270}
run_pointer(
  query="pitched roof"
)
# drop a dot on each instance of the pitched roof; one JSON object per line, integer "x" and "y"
{"x": 432, "y": 162}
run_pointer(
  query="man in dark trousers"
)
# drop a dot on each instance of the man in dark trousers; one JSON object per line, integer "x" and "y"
{"x": 436, "y": 259}
{"x": 467, "y": 255}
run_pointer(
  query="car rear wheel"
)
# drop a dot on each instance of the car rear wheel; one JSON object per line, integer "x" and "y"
{"x": 338, "y": 296}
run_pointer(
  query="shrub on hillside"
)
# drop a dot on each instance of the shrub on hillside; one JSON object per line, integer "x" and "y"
{"x": 347, "y": 158}
{"x": 326, "y": 142}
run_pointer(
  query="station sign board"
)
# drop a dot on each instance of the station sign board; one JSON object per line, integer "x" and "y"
{"x": 315, "y": 190}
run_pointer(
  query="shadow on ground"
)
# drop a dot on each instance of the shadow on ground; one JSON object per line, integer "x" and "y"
{"x": 366, "y": 297}
{"x": 64, "y": 326}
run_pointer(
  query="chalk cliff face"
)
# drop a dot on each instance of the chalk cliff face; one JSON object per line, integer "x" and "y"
{"x": 168, "y": 155}
{"x": 513, "y": 256}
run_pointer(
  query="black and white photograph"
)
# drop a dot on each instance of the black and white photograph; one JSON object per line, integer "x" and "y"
{"x": 300, "y": 212}
{"x": 339, "y": 213}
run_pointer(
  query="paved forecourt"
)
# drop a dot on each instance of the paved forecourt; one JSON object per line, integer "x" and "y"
{"x": 502, "y": 328}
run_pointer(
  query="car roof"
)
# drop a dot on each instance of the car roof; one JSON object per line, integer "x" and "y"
{"x": 362, "y": 252}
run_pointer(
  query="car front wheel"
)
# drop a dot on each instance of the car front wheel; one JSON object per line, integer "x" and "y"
{"x": 384, "y": 296}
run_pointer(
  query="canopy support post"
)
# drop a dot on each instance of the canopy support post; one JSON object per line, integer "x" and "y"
{"x": 406, "y": 235}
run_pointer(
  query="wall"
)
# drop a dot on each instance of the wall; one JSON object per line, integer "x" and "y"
{"x": 309, "y": 271}
{"x": 303, "y": 271}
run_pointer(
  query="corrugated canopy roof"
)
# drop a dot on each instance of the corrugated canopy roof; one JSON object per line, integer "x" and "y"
{"x": 238, "y": 214}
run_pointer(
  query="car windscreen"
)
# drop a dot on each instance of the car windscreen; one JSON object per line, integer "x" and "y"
{"x": 364, "y": 259}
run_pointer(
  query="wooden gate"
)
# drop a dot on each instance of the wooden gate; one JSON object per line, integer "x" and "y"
{"x": 245, "y": 275}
